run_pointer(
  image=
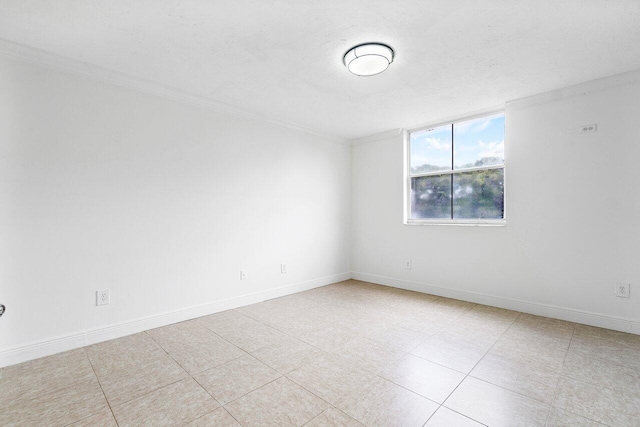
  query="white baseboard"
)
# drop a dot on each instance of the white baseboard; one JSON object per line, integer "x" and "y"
{"x": 51, "y": 346}
{"x": 546, "y": 310}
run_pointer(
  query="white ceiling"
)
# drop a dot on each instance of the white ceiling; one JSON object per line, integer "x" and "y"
{"x": 283, "y": 58}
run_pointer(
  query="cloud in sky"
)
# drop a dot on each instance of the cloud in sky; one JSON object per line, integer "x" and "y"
{"x": 438, "y": 144}
{"x": 492, "y": 149}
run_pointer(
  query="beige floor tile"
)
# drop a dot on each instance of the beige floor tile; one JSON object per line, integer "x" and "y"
{"x": 412, "y": 301}
{"x": 236, "y": 378}
{"x": 242, "y": 331}
{"x": 332, "y": 313}
{"x": 369, "y": 354}
{"x": 485, "y": 314}
{"x": 617, "y": 347}
{"x": 602, "y": 373}
{"x": 332, "y": 417}
{"x": 264, "y": 311}
{"x": 195, "y": 347}
{"x": 172, "y": 337}
{"x": 289, "y": 356}
{"x": 425, "y": 378}
{"x": 453, "y": 351}
{"x": 543, "y": 329}
{"x": 103, "y": 418}
{"x": 538, "y": 338}
{"x": 133, "y": 381}
{"x": 175, "y": 404}
{"x": 449, "y": 305}
{"x": 388, "y": 316}
{"x": 295, "y": 325}
{"x": 45, "y": 375}
{"x": 527, "y": 351}
{"x": 545, "y": 324}
{"x": 200, "y": 357}
{"x": 481, "y": 334}
{"x": 611, "y": 407}
{"x": 327, "y": 337}
{"x": 560, "y": 418}
{"x": 123, "y": 353}
{"x": 280, "y": 403}
{"x": 369, "y": 328}
{"x": 330, "y": 377}
{"x": 60, "y": 406}
{"x": 447, "y": 418}
{"x": 528, "y": 377}
{"x": 602, "y": 335}
{"x": 58, "y": 366}
{"x": 218, "y": 418}
{"x": 428, "y": 323}
{"x": 495, "y": 406}
{"x": 396, "y": 337}
{"x": 360, "y": 321}
{"x": 382, "y": 403}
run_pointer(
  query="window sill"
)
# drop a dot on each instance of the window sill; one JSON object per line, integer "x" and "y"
{"x": 463, "y": 222}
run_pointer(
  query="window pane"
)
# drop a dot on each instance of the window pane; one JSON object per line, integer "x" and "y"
{"x": 478, "y": 195}
{"x": 431, "y": 150}
{"x": 479, "y": 142}
{"x": 431, "y": 197}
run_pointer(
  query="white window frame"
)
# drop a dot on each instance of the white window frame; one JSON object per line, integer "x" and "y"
{"x": 407, "y": 177}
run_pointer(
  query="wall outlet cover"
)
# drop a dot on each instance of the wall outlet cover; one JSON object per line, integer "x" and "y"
{"x": 623, "y": 290}
{"x": 103, "y": 297}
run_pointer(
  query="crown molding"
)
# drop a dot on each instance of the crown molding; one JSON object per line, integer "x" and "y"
{"x": 580, "y": 89}
{"x": 57, "y": 62}
{"x": 377, "y": 137}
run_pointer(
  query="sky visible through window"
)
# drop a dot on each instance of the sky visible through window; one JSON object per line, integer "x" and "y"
{"x": 478, "y": 142}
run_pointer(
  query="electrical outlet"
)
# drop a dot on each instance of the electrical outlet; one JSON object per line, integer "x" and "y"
{"x": 283, "y": 268}
{"x": 407, "y": 264}
{"x": 103, "y": 297}
{"x": 243, "y": 274}
{"x": 588, "y": 128}
{"x": 623, "y": 290}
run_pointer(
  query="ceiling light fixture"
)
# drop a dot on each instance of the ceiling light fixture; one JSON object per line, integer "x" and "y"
{"x": 368, "y": 59}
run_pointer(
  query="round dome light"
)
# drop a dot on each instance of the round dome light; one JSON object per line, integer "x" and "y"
{"x": 368, "y": 59}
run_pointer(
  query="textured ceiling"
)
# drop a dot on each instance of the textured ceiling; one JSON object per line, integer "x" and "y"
{"x": 283, "y": 58}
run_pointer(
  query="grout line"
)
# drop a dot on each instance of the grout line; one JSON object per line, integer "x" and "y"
{"x": 409, "y": 390}
{"x": 167, "y": 353}
{"x": 100, "y": 384}
{"x": 251, "y": 391}
{"x": 477, "y": 363}
{"x": 452, "y": 410}
{"x": 231, "y": 415}
{"x": 358, "y": 334}
{"x": 555, "y": 393}
{"x": 555, "y": 389}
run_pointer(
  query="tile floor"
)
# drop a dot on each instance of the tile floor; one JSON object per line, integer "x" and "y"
{"x": 348, "y": 354}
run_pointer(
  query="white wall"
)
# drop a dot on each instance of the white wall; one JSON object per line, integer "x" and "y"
{"x": 163, "y": 203}
{"x": 573, "y": 215}
{"x": 104, "y": 187}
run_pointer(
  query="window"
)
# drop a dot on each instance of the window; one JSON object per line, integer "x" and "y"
{"x": 456, "y": 173}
